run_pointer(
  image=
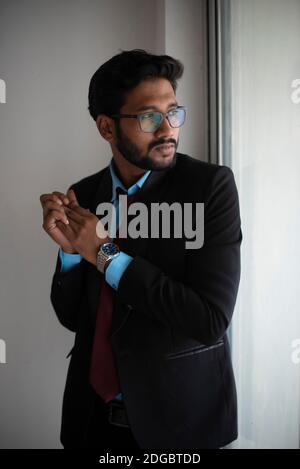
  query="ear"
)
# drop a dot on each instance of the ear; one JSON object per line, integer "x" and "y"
{"x": 106, "y": 127}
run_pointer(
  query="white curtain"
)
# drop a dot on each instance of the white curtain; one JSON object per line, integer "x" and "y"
{"x": 265, "y": 140}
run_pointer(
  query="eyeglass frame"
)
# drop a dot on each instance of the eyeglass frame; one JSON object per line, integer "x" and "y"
{"x": 163, "y": 114}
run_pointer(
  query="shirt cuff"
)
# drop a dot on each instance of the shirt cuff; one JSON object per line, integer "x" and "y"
{"x": 116, "y": 268}
{"x": 68, "y": 261}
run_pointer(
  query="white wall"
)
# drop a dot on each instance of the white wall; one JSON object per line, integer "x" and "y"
{"x": 48, "y": 52}
{"x": 186, "y": 31}
{"x": 266, "y": 141}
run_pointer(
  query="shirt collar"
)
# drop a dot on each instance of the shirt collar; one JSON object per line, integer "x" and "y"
{"x": 117, "y": 183}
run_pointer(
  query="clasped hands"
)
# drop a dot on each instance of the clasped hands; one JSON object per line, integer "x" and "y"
{"x": 74, "y": 228}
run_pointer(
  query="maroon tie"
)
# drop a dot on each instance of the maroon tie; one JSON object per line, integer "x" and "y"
{"x": 103, "y": 374}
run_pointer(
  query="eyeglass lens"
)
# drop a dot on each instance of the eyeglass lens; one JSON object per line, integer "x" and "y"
{"x": 151, "y": 121}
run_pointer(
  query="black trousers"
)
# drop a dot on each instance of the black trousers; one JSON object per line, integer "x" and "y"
{"x": 104, "y": 435}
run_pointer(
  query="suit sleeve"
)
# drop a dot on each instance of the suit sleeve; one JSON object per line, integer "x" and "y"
{"x": 202, "y": 304}
{"x": 66, "y": 291}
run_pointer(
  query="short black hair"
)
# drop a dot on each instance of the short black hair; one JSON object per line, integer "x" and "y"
{"x": 123, "y": 72}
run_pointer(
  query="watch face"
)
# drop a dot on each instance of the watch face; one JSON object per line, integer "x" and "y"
{"x": 110, "y": 249}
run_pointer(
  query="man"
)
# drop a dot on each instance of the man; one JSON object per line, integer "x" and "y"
{"x": 150, "y": 367}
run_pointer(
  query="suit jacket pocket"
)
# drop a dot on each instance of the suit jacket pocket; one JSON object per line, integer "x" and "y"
{"x": 188, "y": 352}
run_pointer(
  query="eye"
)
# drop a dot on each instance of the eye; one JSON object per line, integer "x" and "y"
{"x": 147, "y": 115}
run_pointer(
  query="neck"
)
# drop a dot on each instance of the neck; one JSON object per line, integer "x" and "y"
{"x": 126, "y": 171}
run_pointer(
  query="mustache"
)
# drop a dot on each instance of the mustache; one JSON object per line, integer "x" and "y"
{"x": 163, "y": 142}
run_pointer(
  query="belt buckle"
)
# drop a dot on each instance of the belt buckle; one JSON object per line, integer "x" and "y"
{"x": 117, "y": 414}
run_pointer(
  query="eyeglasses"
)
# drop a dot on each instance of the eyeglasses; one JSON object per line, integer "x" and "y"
{"x": 151, "y": 121}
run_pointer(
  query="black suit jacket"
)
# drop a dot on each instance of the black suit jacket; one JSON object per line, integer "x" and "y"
{"x": 171, "y": 312}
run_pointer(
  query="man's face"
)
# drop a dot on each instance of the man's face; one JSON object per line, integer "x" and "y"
{"x": 141, "y": 148}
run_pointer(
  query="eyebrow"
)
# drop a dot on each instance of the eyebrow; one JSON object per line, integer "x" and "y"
{"x": 150, "y": 107}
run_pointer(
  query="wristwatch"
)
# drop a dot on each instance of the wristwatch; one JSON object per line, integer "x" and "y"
{"x": 106, "y": 253}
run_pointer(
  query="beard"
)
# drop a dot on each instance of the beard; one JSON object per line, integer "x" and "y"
{"x": 132, "y": 154}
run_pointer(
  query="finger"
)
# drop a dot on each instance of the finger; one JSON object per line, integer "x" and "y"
{"x": 72, "y": 197}
{"x": 67, "y": 231}
{"x": 62, "y": 197}
{"x": 79, "y": 210}
{"x": 74, "y": 215}
{"x": 65, "y": 227}
{"x": 54, "y": 198}
{"x": 76, "y": 227}
{"x": 50, "y": 205}
{"x": 51, "y": 219}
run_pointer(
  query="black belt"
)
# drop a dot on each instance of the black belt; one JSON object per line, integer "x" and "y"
{"x": 117, "y": 414}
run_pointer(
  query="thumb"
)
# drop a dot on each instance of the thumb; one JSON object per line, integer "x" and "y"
{"x": 72, "y": 197}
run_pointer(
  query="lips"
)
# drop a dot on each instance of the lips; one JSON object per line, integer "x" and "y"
{"x": 164, "y": 147}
